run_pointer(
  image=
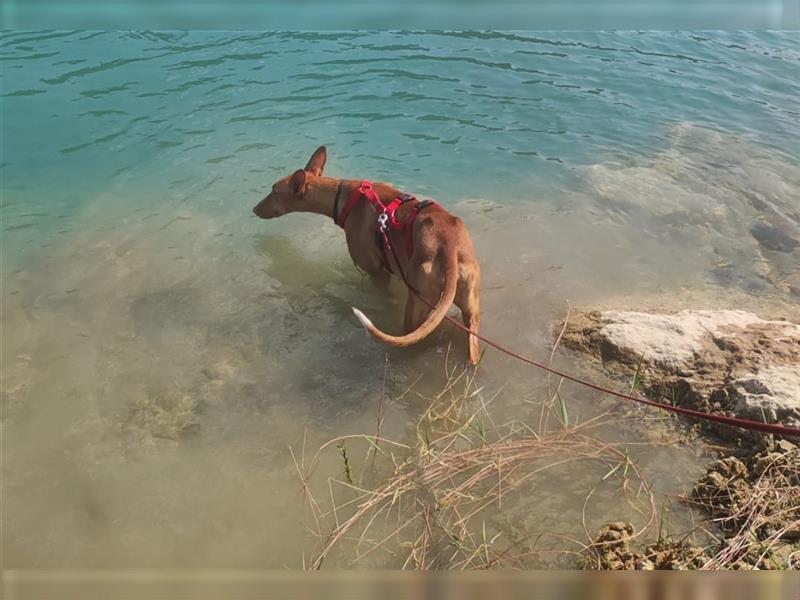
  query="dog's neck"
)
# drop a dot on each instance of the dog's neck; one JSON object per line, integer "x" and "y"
{"x": 321, "y": 194}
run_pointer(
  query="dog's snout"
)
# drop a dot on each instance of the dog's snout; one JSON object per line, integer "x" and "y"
{"x": 261, "y": 209}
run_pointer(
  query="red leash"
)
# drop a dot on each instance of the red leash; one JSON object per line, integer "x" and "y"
{"x": 776, "y": 429}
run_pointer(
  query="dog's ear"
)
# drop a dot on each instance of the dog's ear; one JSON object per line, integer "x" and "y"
{"x": 298, "y": 182}
{"x": 317, "y": 161}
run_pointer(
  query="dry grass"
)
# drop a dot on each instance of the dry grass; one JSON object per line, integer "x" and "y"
{"x": 437, "y": 499}
{"x": 757, "y": 507}
{"x": 433, "y": 508}
{"x": 754, "y": 522}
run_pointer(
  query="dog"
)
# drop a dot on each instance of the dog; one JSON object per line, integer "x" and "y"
{"x": 439, "y": 261}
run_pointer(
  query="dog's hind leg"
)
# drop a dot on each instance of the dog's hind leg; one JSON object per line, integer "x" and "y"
{"x": 472, "y": 319}
{"x": 415, "y": 313}
{"x": 468, "y": 300}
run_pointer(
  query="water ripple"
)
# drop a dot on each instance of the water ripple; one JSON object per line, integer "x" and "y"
{"x": 104, "y": 66}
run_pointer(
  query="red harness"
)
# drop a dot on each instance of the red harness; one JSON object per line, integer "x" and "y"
{"x": 387, "y": 214}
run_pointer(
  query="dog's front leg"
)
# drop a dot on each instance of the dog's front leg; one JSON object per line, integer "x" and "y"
{"x": 380, "y": 278}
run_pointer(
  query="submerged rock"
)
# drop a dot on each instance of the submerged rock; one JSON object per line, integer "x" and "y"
{"x": 727, "y": 361}
{"x": 773, "y": 238}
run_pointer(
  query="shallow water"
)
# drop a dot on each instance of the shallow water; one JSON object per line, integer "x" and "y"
{"x": 163, "y": 348}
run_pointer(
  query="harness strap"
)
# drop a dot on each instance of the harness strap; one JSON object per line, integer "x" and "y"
{"x": 410, "y": 225}
{"x": 365, "y": 190}
{"x": 398, "y": 225}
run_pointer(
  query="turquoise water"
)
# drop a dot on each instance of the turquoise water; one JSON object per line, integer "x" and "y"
{"x": 162, "y": 347}
{"x": 215, "y": 117}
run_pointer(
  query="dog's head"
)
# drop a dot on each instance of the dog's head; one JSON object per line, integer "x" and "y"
{"x": 289, "y": 194}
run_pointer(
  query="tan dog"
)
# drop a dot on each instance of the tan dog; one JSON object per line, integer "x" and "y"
{"x": 442, "y": 265}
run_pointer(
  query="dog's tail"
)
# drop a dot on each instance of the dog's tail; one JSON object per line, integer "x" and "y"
{"x": 430, "y": 323}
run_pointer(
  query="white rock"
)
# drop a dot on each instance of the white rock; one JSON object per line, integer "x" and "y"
{"x": 756, "y": 361}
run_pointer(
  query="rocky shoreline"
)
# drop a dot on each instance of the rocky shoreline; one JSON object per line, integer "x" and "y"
{"x": 728, "y": 362}
{"x": 723, "y": 361}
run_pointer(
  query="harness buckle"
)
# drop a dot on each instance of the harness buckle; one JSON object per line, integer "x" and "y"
{"x": 383, "y": 221}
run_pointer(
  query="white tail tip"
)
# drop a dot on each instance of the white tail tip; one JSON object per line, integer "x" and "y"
{"x": 365, "y": 322}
